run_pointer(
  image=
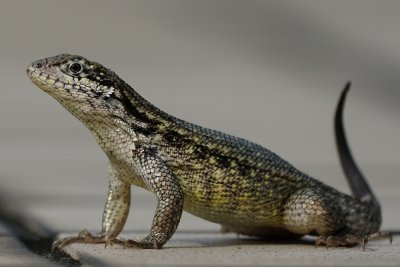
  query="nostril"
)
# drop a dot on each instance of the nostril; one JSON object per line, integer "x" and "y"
{"x": 37, "y": 65}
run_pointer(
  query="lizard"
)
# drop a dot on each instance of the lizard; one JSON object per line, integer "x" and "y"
{"x": 224, "y": 179}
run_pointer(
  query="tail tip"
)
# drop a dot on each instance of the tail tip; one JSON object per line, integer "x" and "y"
{"x": 348, "y": 85}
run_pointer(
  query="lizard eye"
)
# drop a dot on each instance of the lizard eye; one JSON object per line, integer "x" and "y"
{"x": 76, "y": 68}
{"x": 38, "y": 65}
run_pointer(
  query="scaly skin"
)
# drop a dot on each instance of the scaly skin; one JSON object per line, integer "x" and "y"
{"x": 221, "y": 178}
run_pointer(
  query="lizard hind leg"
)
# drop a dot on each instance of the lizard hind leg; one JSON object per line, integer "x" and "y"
{"x": 309, "y": 211}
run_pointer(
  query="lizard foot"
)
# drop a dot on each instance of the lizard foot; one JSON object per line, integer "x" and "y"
{"x": 146, "y": 243}
{"x": 349, "y": 240}
{"x": 381, "y": 235}
{"x": 83, "y": 237}
{"x": 149, "y": 242}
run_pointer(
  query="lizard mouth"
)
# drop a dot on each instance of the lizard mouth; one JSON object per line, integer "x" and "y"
{"x": 45, "y": 81}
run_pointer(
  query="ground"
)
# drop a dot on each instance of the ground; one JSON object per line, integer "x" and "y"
{"x": 75, "y": 200}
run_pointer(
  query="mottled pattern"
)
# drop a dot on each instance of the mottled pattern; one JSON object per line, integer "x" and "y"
{"x": 160, "y": 180}
{"x": 228, "y": 180}
{"x": 309, "y": 210}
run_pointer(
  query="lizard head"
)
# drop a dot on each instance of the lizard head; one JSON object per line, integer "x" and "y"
{"x": 90, "y": 91}
{"x": 74, "y": 81}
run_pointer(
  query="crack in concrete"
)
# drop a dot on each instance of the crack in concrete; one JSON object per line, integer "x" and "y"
{"x": 34, "y": 235}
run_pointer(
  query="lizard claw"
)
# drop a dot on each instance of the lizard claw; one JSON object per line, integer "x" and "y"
{"x": 83, "y": 237}
{"x": 381, "y": 235}
{"x": 86, "y": 237}
{"x": 148, "y": 242}
{"x": 321, "y": 241}
{"x": 349, "y": 240}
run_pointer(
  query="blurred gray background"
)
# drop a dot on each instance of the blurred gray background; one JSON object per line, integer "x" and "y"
{"x": 268, "y": 71}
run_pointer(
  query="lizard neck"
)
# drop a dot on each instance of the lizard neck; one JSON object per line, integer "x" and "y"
{"x": 138, "y": 107}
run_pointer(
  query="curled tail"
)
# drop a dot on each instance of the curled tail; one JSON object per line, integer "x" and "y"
{"x": 359, "y": 186}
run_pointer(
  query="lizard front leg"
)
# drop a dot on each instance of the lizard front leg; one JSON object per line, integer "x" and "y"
{"x": 160, "y": 180}
{"x": 114, "y": 216}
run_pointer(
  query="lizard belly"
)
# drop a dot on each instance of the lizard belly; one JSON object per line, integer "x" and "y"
{"x": 244, "y": 214}
{"x": 235, "y": 200}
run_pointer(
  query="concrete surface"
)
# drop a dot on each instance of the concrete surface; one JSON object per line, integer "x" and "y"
{"x": 214, "y": 249}
{"x": 12, "y": 253}
{"x": 268, "y": 71}
{"x": 75, "y": 201}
